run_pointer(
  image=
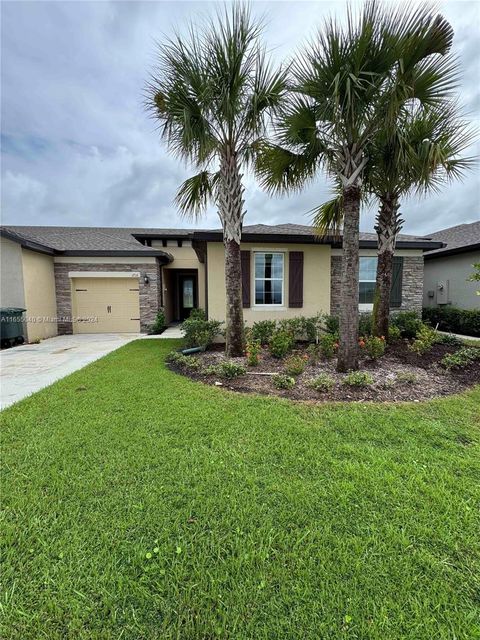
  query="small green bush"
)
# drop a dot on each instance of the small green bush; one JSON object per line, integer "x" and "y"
{"x": 197, "y": 314}
{"x": 374, "y": 347}
{"x": 424, "y": 340}
{"x": 252, "y": 351}
{"x": 280, "y": 343}
{"x": 329, "y": 344}
{"x": 407, "y": 321}
{"x": 313, "y": 327}
{"x": 314, "y": 353}
{"x": 293, "y": 326}
{"x": 184, "y": 362}
{"x": 461, "y": 358}
{"x": 322, "y": 383}
{"x": 332, "y": 324}
{"x": 448, "y": 339}
{"x": 358, "y": 379}
{"x": 263, "y": 330}
{"x": 199, "y": 332}
{"x": 406, "y": 377}
{"x": 394, "y": 333}
{"x": 365, "y": 324}
{"x": 463, "y": 321}
{"x": 231, "y": 370}
{"x": 295, "y": 365}
{"x": 282, "y": 381}
{"x": 159, "y": 325}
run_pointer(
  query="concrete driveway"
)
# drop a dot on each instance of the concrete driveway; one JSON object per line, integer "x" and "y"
{"x": 29, "y": 368}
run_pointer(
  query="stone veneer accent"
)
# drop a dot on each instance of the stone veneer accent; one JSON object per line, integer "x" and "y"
{"x": 150, "y": 294}
{"x": 412, "y": 284}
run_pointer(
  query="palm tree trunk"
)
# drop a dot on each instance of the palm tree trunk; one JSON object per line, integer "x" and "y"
{"x": 231, "y": 214}
{"x": 348, "y": 349}
{"x": 387, "y": 227}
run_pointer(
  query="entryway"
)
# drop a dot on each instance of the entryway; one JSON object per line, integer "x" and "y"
{"x": 180, "y": 293}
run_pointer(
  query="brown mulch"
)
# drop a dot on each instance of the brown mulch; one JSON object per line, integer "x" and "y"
{"x": 431, "y": 380}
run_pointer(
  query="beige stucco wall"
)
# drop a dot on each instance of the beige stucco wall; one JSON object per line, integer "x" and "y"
{"x": 40, "y": 299}
{"x": 316, "y": 282}
{"x": 183, "y": 258}
{"x": 11, "y": 272}
{"x": 452, "y": 271}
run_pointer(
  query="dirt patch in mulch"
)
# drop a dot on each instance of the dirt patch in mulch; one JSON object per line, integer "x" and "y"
{"x": 431, "y": 380}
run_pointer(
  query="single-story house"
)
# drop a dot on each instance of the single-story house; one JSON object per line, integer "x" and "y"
{"x": 448, "y": 268}
{"x": 95, "y": 280}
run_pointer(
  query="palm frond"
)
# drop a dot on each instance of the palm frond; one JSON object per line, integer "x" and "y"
{"x": 327, "y": 219}
{"x": 195, "y": 193}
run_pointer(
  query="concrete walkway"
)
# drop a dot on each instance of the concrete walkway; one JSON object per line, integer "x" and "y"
{"x": 28, "y": 368}
{"x": 457, "y": 335}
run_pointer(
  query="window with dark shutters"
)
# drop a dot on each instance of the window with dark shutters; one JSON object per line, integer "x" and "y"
{"x": 245, "y": 259}
{"x": 397, "y": 278}
{"x": 295, "y": 279}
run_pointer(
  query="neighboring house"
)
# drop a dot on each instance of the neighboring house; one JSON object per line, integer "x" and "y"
{"x": 95, "y": 280}
{"x": 447, "y": 269}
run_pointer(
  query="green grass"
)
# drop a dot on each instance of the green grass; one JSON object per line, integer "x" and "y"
{"x": 139, "y": 504}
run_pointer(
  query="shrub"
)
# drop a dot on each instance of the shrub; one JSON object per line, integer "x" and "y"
{"x": 313, "y": 327}
{"x": 282, "y": 381}
{"x": 263, "y": 330}
{"x": 197, "y": 314}
{"x": 314, "y": 353}
{"x": 332, "y": 324}
{"x": 461, "y": 358}
{"x": 358, "y": 379}
{"x": 408, "y": 322}
{"x": 365, "y": 324}
{"x": 295, "y": 365}
{"x": 394, "y": 333}
{"x": 374, "y": 347}
{"x": 231, "y": 369}
{"x": 321, "y": 383}
{"x": 463, "y": 321}
{"x": 293, "y": 326}
{"x": 280, "y": 343}
{"x": 448, "y": 339}
{"x": 199, "y": 332}
{"x": 406, "y": 377}
{"x": 329, "y": 344}
{"x": 184, "y": 362}
{"x": 424, "y": 340}
{"x": 159, "y": 325}
{"x": 252, "y": 351}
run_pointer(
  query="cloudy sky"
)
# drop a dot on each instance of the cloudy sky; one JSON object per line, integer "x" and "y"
{"x": 79, "y": 149}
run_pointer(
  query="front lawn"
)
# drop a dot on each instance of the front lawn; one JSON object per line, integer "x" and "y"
{"x": 139, "y": 504}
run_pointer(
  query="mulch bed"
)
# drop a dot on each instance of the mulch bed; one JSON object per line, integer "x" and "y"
{"x": 431, "y": 380}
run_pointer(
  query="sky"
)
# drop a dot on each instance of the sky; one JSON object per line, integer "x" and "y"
{"x": 78, "y": 147}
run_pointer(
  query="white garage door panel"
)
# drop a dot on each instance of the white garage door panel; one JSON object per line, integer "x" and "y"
{"x": 114, "y": 302}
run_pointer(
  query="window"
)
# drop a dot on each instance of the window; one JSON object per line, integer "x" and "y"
{"x": 269, "y": 278}
{"x": 367, "y": 280}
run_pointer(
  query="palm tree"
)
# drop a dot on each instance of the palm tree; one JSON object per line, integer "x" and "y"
{"x": 347, "y": 85}
{"x": 212, "y": 95}
{"x": 419, "y": 155}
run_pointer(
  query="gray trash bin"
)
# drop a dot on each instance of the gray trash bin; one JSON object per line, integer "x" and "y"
{"x": 11, "y": 326}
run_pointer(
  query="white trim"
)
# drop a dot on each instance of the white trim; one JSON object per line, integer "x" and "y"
{"x": 364, "y": 306}
{"x": 104, "y": 274}
{"x": 263, "y": 306}
{"x": 372, "y": 253}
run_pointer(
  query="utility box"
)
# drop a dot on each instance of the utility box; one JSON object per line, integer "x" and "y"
{"x": 442, "y": 292}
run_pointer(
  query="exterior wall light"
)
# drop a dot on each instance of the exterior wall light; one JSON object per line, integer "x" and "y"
{"x": 146, "y": 279}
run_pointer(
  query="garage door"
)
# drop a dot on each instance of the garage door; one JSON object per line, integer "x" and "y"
{"x": 114, "y": 302}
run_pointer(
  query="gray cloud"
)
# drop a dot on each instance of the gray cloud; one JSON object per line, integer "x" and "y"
{"x": 78, "y": 147}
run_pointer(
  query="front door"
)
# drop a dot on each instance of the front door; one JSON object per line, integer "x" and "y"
{"x": 188, "y": 295}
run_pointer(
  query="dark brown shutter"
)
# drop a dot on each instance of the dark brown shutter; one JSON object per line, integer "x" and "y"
{"x": 245, "y": 258}
{"x": 397, "y": 277}
{"x": 295, "y": 279}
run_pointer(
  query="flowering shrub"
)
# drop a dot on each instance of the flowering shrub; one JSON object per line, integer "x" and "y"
{"x": 282, "y": 381}
{"x": 329, "y": 344}
{"x": 374, "y": 347}
{"x": 295, "y": 365}
{"x": 461, "y": 358}
{"x": 253, "y": 351}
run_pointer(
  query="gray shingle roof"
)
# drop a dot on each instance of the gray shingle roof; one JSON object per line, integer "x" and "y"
{"x": 457, "y": 239}
{"x": 123, "y": 240}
